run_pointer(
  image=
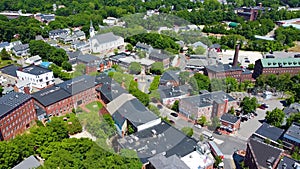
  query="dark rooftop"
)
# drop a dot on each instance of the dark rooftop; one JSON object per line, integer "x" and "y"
{"x": 207, "y": 99}
{"x": 132, "y": 109}
{"x": 143, "y": 46}
{"x": 12, "y": 100}
{"x": 111, "y": 89}
{"x": 293, "y": 132}
{"x": 157, "y": 55}
{"x": 270, "y": 132}
{"x": 293, "y": 108}
{"x": 50, "y": 95}
{"x": 74, "y": 55}
{"x": 34, "y": 70}
{"x": 21, "y": 47}
{"x": 288, "y": 163}
{"x": 29, "y": 163}
{"x": 159, "y": 161}
{"x": 78, "y": 84}
{"x": 162, "y": 138}
{"x": 169, "y": 76}
{"x": 169, "y": 92}
{"x": 230, "y": 118}
{"x": 263, "y": 152}
{"x": 10, "y": 70}
{"x": 57, "y": 31}
{"x": 87, "y": 58}
{"x": 225, "y": 68}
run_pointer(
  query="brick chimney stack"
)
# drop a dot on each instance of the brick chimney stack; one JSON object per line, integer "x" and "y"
{"x": 236, "y": 55}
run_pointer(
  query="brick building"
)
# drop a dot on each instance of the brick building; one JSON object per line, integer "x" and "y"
{"x": 63, "y": 97}
{"x": 16, "y": 114}
{"x": 276, "y": 66}
{"x": 221, "y": 71}
{"x": 261, "y": 155}
{"x": 230, "y": 122}
{"x": 209, "y": 104}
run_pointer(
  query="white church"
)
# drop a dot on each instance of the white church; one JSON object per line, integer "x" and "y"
{"x": 104, "y": 43}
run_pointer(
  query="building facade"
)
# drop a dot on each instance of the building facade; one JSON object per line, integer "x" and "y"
{"x": 16, "y": 114}
{"x": 39, "y": 77}
{"x": 276, "y": 66}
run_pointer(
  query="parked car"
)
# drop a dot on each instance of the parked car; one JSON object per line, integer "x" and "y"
{"x": 262, "y": 107}
{"x": 159, "y": 106}
{"x": 218, "y": 132}
{"x": 174, "y": 114}
{"x": 198, "y": 126}
{"x": 172, "y": 122}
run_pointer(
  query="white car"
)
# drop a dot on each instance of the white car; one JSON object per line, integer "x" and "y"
{"x": 198, "y": 126}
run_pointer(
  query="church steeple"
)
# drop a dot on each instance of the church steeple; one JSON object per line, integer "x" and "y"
{"x": 92, "y": 30}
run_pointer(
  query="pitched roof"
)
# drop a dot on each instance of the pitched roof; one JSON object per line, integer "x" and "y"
{"x": 78, "y": 84}
{"x": 293, "y": 108}
{"x": 264, "y": 153}
{"x": 105, "y": 38}
{"x": 280, "y": 62}
{"x": 167, "y": 140}
{"x": 87, "y": 58}
{"x": 159, "y": 161}
{"x": 132, "y": 109}
{"x": 170, "y": 76}
{"x": 269, "y": 131}
{"x": 4, "y": 44}
{"x": 169, "y": 92}
{"x": 21, "y": 47}
{"x": 293, "y": 132}
{"x": 143, "y": 45}
{"x": 50, "y": 95}
{"x": 227, "y": 117}
{"x": 158, "y": 55}
{"x": 34, "y": 70}
{"x": 11, "y": 100}
{"x": 223, "y": 68}
{"x": 207, "y": 99}
{"x": 10, "y": 70}
{"x": 29, "y": 163}
{"x": 111, "y": 89}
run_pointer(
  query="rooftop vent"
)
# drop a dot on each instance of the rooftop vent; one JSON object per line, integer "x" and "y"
{"x": 296, "y": 166}
{"x": 153, "y": 132}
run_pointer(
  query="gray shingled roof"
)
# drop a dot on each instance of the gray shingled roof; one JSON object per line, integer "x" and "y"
{"x": 269, "y": 131}
{"x": 169, "y": 76}
{"x": 50, "y": 95}
{"x": 87, "y": 58}
{"x": 78, "y": 84}
{"x": 105, "y": 38}
{"x": 227, "y": 117}
{"x": 10, "y": 70}
{"x": 29, "y": 163}
{"x": 288, "y": 163}
{"x": 11, "y": 100}
{"x": 21, "y": 47}
{"x": 263, "y": 152}
{"x": 168, "y": 140}
{"x": 159, "y": 161}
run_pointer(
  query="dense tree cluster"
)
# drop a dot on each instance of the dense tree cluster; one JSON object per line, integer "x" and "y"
{"x": 249, "y": 105}
{"x": 275, "y": 117}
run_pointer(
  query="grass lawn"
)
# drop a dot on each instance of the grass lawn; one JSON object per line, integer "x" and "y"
{"x": 94, "y": 106}
{"x": 5, "y": 63}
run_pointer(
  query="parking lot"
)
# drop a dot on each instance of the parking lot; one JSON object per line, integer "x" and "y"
{"x": 250, "y": 126}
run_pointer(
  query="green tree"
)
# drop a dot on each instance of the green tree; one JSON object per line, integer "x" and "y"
{"x": 4, "y": 55}
{"x": 141, "y": 54}
{"x": 231, "y": 84}
{"x": 129, "y": 47}
{"x": 157, "y": 68}
{"x": 155, "y": 83}
{"x": 199, "y": 50}
{"x": 1, "y": 90}
{"x": 135, "y": 68}
{"x": 215, "y": 122}
{"x": 251, "y": 66}
{"x": 248, "y": 104}
{"x": 296, "y": 154}
{"x": 275, "y": 117}
{"x": 66, "y": 66}
{"x": 231, "y": 111}
{"x": 184, "y": 77}
{"x": 203, "y": 81}
{"x": 188, "y": 131}
{"x": 202, "y": 121}
{"x": 175, "y": 106}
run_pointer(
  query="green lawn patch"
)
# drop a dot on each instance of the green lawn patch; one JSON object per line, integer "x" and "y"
{"x": 94, "y": 106}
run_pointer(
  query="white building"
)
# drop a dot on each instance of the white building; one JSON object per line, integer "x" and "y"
{"x": 106, "y": 42}
{"x": 39, "y": 77}
{"x": 36, "y": 60}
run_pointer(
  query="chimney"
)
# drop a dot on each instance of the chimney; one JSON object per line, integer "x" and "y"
{"x": 27, "y": 90}
{"x": 236, "y": 55}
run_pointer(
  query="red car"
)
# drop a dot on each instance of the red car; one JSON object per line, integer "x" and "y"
{"x": 262, "y": 107}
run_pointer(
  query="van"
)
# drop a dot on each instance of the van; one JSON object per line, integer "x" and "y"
{"x": 208, "y": 135}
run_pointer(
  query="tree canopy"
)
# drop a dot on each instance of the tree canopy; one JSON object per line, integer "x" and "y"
{"x": 249, "y": 104}
{"x": 135, "y": 68}
{"x": 275, "y": 117}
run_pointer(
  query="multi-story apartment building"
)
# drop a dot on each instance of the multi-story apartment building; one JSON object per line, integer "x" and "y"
{"x": 16, "y": 114}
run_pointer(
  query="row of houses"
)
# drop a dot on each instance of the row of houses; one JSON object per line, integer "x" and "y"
{"x": 16, "y": 48}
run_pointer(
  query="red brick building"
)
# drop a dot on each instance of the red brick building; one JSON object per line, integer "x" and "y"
{"x": 16, "y": 114}
{"x": 261, "y": 155}
{"x": 225, "y": 70}
{"x": 63, "y": 97}
{"x": 230, "y": 122}
{"x": 276, "y": 66}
